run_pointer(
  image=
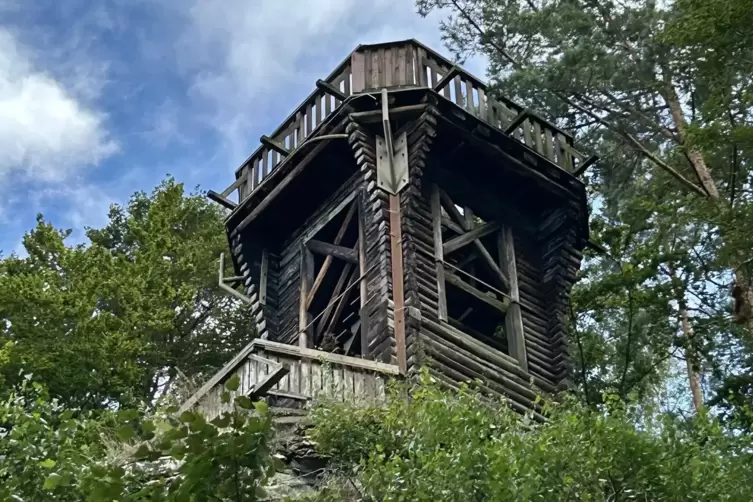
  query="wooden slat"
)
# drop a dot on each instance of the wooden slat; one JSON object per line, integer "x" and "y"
{"x": 513, "y": 320}
{"x": 436, "y": 212}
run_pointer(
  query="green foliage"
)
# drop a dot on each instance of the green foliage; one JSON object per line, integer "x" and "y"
{"x": 54, "y": 453}
{"x": 118, "y": 319}
{"x": 657, "y": 90}
{"x": 438, "y": 446}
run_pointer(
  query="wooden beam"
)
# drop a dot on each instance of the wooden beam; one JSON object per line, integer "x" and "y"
{"x": 436, "y": 217}
{"x": 274, "y": 145}
{"x": 307, "y": 265}
{"x": 263, "y": 276}
{"x": 460, "y": 283}
{"x": 330, "y": 89}
{"x": 398, "y": 293}
{"x": 327, "y": 249}
{"x": 517, "y": 121}
{"x": 449, "y": 206}
{"x": 341, "y": 303}
{"x": 364, "y": 315}
{"x": 516, "y": 342}
{"x": 221, "y": 200}
{"x": 260, "y": 389}
{"x": 472, "y": 235}
{"x": 586, "y": 164}
{"x": 328, "y": 260}
{"x": 344, "y": 276}
{"x": 454, "y": 71}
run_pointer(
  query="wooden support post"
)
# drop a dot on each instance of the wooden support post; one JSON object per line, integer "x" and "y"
{"x": 364, "y": 327}
{"x": 449, "y": 206}
{"x": 307, "y": 278}
{"x": 327, "y": 249}
{"x": 436, "y": 217}
{"x": 328, "y": 260}
{"x": 341, "y": 282}
{"x": 398, "y": 293}
{"x": 263, "y": 277}
{"x": 513, "y": 320}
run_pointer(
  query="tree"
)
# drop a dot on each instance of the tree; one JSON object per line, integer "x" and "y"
{"x": 428, "y": 444}
{"x": 638, "y": 84}
{"x": 117, "y": 320}
{"x": 53, "y": 452}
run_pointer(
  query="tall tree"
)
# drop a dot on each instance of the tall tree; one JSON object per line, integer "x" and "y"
{"x": 118, "y": 319}
{"x": 638, "y": 83}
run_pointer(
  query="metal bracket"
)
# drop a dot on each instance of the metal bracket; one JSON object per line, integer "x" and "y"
{"x": 392, "y": 155}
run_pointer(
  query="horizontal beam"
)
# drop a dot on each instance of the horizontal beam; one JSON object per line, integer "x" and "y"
{"x": 274, "y": 145}
{"x": 470, "y": 236}
{"x": 330, "y": 89}
{"x": 221, "y": 200}
{"x": 459, "y": 283}
{"x": 327, "y": 249}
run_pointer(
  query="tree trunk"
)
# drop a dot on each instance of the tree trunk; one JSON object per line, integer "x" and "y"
{"x": 743, "y": 292}
{"x": 691, "y": 360}
{"x": 694, "y": 155}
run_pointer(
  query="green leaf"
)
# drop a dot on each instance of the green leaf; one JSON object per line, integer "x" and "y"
{"x": 187, "y": 417}
{"x": 261, "y": 406}
{"x": 52, "y": 481}
{"x": 225, "y": 397}
{"x": 233, "y": 384}
{"x": 125, "y": 432}
{"x": 244, "y": 402}
{"x": 48, "y": 463}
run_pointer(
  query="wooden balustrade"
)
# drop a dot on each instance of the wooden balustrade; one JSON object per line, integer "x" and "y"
{"x": 395, "y": 65}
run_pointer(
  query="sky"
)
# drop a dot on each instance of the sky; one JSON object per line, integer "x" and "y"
{"x": 102, "y": 98}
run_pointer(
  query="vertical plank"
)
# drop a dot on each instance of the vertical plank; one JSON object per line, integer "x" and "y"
{"x": 389, "y": 67}
{"x": 470, "y": 105}
{"x": 368, "y": 68}
{"x": 346, "y": 82}
{"x": 513, "y": 317}
{"x": 410, "y": 59}
{"x": 299, "y": 125}
{"x": 527, "y": 133}
{"x": 565, "y": 155}
{"x": 482, "y": 114}
{"x": 549, "y": 144}
{"x": 401, "y": 62}
{"x": 358, "y": 71}
{"x": 363, "y": 314}
{"x": 309, "y": 119}
{"x": 263, "y": 277}
{"x": 265, "y": 164}
{"x": 255, "y": 174}
{"x": 306, "y": 281}
{"x": 398, "y": 293}
{"x": 436, "y": 220}
{"x": 537, "y": 137}
{"x": 422, "y": 80}
{"x": 458, "y": 84}
{"x": 381, "y": 74}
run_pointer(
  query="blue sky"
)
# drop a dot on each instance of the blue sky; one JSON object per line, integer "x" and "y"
{"x": 99, "y": 99}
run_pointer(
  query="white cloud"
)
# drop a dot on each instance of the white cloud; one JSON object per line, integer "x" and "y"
{"x": 248, "y": 57}
{"x": 46, "y": 133}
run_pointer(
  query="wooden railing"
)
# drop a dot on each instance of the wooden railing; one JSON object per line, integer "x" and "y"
{"x": 266, "y": 368}
{"x": 395, "y": 65}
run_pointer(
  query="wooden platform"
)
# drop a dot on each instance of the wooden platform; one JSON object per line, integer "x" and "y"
{"x": 293, "y": 375}
{"x": 399, "y": 65}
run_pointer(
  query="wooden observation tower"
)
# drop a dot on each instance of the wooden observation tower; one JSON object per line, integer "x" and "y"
{"x": 401, "y": 217}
